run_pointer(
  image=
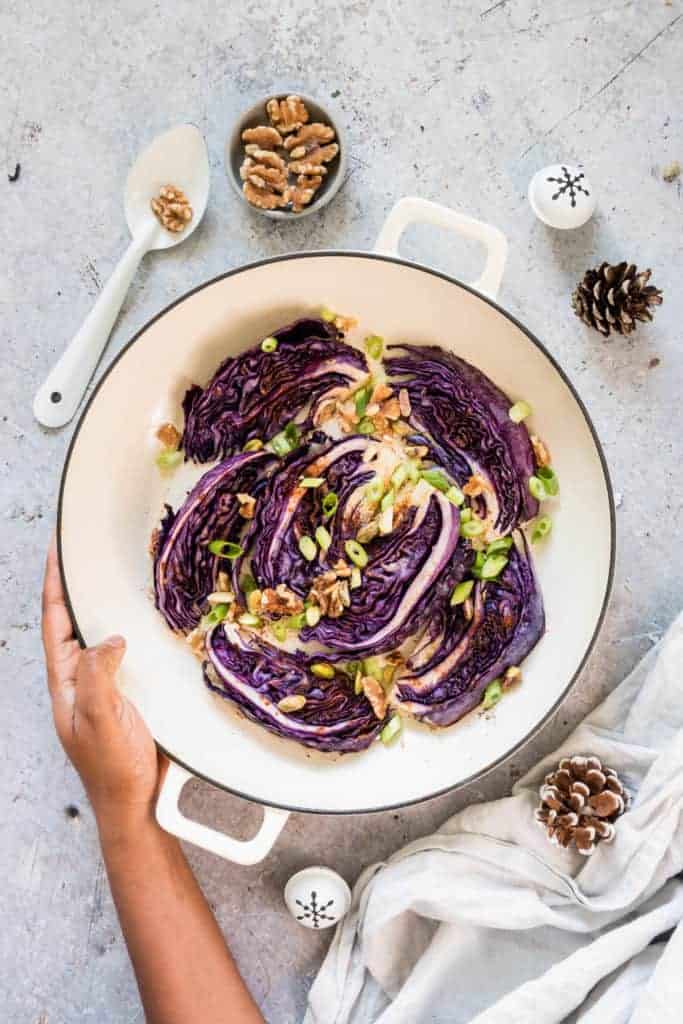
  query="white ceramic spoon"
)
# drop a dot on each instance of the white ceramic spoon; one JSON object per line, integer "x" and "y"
{"x": 178, "y": 157}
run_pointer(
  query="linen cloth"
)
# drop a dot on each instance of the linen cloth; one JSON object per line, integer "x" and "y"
{"x": 486, "y": 922}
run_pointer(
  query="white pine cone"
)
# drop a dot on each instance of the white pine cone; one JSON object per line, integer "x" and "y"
{"x": 580, "y": 801}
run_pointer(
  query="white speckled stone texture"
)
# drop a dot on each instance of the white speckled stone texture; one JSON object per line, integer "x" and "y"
{"x": 459, "y": 102}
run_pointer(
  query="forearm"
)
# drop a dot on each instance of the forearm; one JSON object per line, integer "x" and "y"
{"x": 183, "y": 967}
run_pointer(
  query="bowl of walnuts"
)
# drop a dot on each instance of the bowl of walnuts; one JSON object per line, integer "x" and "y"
{"x": 286, "y": 156}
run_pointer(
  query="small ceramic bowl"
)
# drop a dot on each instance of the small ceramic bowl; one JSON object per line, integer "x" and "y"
{"x": 256, "y": 115}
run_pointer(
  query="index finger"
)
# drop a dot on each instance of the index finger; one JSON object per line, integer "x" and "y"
{"x": 57, "y": 628}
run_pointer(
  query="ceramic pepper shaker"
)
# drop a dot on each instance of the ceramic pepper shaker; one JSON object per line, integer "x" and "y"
{"x": 562, "y": 196}
{"x": 317, "y": 897}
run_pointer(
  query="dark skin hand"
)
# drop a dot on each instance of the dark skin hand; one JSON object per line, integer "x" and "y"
{"x": 183, "y": 967}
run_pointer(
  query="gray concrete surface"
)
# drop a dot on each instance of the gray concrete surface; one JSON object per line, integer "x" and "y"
{"x": 456, "y": 101}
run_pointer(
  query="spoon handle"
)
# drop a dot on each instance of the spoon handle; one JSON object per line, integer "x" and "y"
{"x": 59, "y": 397}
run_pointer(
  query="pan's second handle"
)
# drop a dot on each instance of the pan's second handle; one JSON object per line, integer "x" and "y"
{"x": 249, "y": 851}
{"x": 412, "y": 210}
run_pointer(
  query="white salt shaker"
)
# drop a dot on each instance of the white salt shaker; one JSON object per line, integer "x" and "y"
{"x": 317, "y": 897}
{"x": 562, "y": 196}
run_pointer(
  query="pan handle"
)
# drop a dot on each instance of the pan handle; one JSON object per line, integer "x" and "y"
{"x": 249, "y": 851}
{"x": 412, "y": 210}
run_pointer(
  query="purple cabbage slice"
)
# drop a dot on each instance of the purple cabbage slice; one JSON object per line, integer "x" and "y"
{"x": 467, "y": 416}
{"x": 185, "y": 571}
{"x": 255, "y": 394}
{"x": 255, "y": 676}
{"x": 447, "y": 677}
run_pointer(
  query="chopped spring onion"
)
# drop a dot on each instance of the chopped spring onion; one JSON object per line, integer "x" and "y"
{"x": 353, "y": 668}
{"x": 391, "y": 730}
{"x": 330, "y": 502}
{"x": 279, "y": 630}
{"x": 399, "y": 476}
{"x": 217, "y": 614}
{"x": 374, "y": 345}
{"x": 502, "y": 544}
{"x": 462, "y": 592}
{"x": 519, "y": 411}
{"x": 295, "y": 622}
{"x": 548, "y": 477}
{"x": 465, "y": 515}
{"x": 323, "y": 538}
{"x": 225, "y": 549}
{"x": 249, "y": 620}
{"x": 169, "y": 459}
{"x": 322, "y": 670}
{"x": 280, "y": 444}
{"x": 388, "y": 500}
{"x": 436, "y": 478}
{"x": 386, "y": 521}
{"x": 472, "y": 527}
{"x": 374, "y": 489}
{"x": 355, "y": 580}
{"x": 479, "y": 560}
{"x": 255, "y": 445}
{"x": 493, "y": 566}
{"x": 492, "y": 694}
{"x": 537, "y": 488}
{"x": 413, "y": 471}
{"x": 254, "y": 601}
{"x": 542, "y": 527}
{"x": 248, "y": 584}
{"x": 327, "y": 315}
{"x": 373, "y": 666}
{"x": 366, "y": 426}
{"x": 362, "y": 397}
{"x": 356, "y": 553}
{"x": 269, "y": 344}
{"x": 455, "y": 495}
{"x": 307, "y": 548}
{"x": 312, "y": 614}
{"x": 358, "y": 684}
{"x": 311, "y": 481}
{"x": 293, "y": 434}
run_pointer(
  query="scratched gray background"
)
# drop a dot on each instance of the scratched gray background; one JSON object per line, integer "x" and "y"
{"x": 456, "y": 101}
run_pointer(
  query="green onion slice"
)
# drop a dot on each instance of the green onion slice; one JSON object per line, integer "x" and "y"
{"x": 502, "y": 544}
{"x": 413, "y": 471}
{"x": 169, "y": 459}
{"x": 548, "y": 477}
{"x": 373, "y": 666}
{"x": 387, "y": 501}
{"x": 358, "y": 684}
{"x": 311, "y": 481}
{"x": 248, "y": 584}
{"x": 322, "y": 670}
{"x": 269, "y": 344}
{"x": 323, "y": 538}
{"x": 436, "y": 478}
{"x": 362, "y": 397}
{"x": 249, "y": 620}
{"x": 519, "y": 411}
{"x": 399, "y": 476}
{"x": 307, "y": 548}
{"x": 462, "y": 592}
{"x": 366, "y": 426}
{"x": 279, "y": 630}
{"x": 330, "y": 502}
{"x": 472, "y": 527}
{"x": 280, "y": 444}
{"x": 225, "y": 549}
{"x": 492, "y": 694}
{"x": 312, "y": 614}
{"x": 374, "y": 345}
{"x": 355, "y": 580}
{"x": 542, "y": 527}
{"x": 295, "y": 622}
{"x": 255, "y": 445}
{"x": 217, "y": 614}
{"x": 465, "y": 515}
{"x": 374, "y": 489}
{"x": 537, "y": 488}
{"x": 391, "y": 730}
{"x": 356, "y": 553}
{"x": 455, "y": 495}
{"x": 493, "y": 566}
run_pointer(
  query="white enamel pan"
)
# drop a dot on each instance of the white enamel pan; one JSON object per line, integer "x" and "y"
{"x": 112, "y": 494}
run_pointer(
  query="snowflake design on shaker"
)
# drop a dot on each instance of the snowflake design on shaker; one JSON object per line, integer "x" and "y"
{"x": 570, "y": 185}
{"x": 315, "y": 911}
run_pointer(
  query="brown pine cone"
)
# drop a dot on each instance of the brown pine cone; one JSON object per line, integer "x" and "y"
{"x": 615, "y": 298}
{"x": 580, "y": 801}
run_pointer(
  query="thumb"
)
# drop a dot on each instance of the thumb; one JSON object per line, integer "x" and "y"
{"x": 96, "y": 676}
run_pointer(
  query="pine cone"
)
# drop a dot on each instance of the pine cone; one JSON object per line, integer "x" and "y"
{"x": 580, "y": 801}
{"x": 614, "y": 298}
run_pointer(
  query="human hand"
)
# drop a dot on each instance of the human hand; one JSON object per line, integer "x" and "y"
{"x": 102, "y": 733}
